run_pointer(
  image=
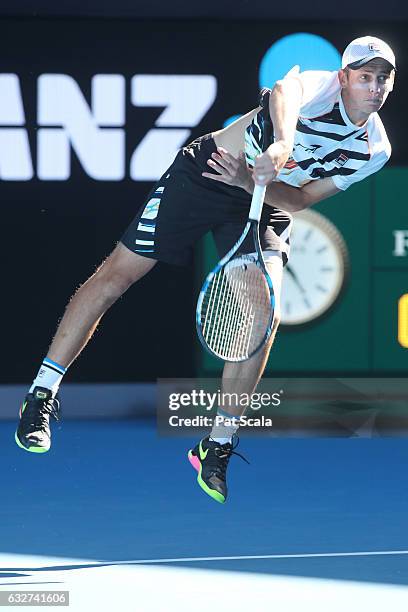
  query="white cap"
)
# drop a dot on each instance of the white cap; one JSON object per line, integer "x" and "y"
{"x": 362, "y": 50}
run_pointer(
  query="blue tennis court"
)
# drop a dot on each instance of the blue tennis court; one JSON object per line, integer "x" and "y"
{"x": 113, "y": 514}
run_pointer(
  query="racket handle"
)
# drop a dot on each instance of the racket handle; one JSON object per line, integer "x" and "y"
{"x": 258, "y": 197}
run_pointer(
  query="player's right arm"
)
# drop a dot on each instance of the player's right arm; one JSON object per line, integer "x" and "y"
{"x": 284, "y": 108}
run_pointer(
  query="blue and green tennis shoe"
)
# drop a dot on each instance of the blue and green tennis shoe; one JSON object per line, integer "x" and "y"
{"x": 211, "y": 459}
{"x": 33, "y": 433}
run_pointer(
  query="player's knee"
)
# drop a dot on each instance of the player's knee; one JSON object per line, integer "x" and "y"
{"x": 112, "y": 280}
{"x": 116, "y": 280}
{"x": 121, "y": 269}
{"x": 117, "y": 284}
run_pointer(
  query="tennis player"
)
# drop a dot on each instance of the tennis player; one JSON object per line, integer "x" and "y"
{"x": 326, "y": 136}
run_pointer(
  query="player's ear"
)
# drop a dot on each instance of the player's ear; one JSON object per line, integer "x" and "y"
{"x": 392, "y": 79}
{"x": 342, "y": 77}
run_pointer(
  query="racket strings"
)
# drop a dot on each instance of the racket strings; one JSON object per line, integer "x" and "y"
{"x": 236, "y": 310}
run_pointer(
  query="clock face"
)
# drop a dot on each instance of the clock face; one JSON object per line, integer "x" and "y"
{"x": 316, "y": 271}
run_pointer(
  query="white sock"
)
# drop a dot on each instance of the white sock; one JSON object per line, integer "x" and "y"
{"x": 221, "y": 440}
{"x": 224, "y": 427}
{"x": 49, "y": 376}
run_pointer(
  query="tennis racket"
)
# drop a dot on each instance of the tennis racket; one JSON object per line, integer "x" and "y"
{"x": 235, "y": 307}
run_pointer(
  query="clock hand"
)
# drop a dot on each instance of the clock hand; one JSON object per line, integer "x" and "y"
{"x": 295, "y": 278}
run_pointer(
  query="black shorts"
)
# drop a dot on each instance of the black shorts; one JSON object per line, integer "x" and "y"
{"x": 183, "y": 206}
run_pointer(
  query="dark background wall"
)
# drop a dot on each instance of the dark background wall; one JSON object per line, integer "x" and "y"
{"x": 55, "y": 232}
{"x": 221, "y": 9}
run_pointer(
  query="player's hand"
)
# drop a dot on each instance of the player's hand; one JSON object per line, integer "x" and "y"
{"x": 231, "y": 170}
{"x": 270, "y": 163}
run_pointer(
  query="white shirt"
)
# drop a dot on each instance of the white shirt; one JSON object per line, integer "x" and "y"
{"x": 327, "y": 143}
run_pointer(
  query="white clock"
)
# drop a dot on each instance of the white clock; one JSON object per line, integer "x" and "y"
{"x": 317, "y": 269}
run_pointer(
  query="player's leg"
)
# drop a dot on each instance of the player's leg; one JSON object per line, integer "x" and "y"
{"x": 131, "y": 259}
{"x": 164, "y": 229}
{"x": 211, "y": 455}
{"x": 90, "y": 302}
{"x": 82, "y": 315}
{"x": 134, "y": 256}
{"x": 242, "y": 377}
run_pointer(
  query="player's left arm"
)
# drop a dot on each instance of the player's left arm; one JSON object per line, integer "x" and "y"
{"x": 295, "y": 199}
{"x": 315, "y": 191}
{"x": 234, "y": 171}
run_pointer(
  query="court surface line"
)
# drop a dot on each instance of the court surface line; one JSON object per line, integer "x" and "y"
{"x": 277, "y": 556}
{"x": 87, "y": 564}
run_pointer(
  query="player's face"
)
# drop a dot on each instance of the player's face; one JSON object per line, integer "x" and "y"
{"x": 368, "y": 87}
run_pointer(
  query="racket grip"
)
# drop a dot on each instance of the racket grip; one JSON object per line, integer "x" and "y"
{"x": 257, "y": 201}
